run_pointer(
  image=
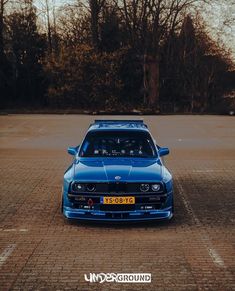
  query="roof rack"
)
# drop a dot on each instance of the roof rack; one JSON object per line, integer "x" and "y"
{"x": 119, "y": 121}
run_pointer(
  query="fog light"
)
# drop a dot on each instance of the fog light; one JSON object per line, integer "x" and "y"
{"x": 156, "y": 187}
{"x": 144, "y": 187}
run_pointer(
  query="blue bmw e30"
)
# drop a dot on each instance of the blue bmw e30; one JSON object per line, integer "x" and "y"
{"x": 117, "y": 175}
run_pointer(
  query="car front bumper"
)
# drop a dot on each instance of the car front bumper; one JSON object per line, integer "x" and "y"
{"x": 165, "y": 212}
{"x": 140, "y": 215}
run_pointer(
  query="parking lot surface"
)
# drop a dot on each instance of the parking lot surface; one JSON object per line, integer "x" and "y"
{"x": 40, "y": 250}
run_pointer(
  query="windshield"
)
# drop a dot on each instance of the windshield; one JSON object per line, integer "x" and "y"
{"x": 118, "y": 144}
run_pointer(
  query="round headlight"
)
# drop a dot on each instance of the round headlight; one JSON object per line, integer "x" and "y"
{"x": 77, "y": 187}
{"x": 144, "y": 187}
{"x": 90, "y": 187}
{"x": 156, "y": 187}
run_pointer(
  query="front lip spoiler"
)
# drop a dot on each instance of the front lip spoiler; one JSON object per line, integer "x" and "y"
{"x": 118, "y": 216}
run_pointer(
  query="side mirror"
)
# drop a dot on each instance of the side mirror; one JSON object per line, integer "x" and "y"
{"x": 163, "y": 151}
{"x": 72, "y": 151}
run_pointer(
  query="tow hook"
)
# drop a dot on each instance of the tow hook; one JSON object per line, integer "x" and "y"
{"x": 90, "y": 202}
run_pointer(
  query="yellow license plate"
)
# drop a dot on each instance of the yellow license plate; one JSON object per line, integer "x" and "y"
{"x": 119, "y": 200}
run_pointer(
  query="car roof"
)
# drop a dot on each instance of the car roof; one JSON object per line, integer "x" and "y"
{"x": 110, "y": 124}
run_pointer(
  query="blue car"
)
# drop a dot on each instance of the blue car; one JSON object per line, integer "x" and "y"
{"x": 118, "y": 175}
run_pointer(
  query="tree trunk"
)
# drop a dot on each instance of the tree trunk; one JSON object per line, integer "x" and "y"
{"x": 48, "y": 26}
{"x": 94, "y": 7}
{"x": 151, "y": 81}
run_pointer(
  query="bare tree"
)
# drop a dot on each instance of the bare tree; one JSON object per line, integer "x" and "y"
{"x": 92, "y": 8}
{"x": 2, "y": 10}
{"x": 48, "y": 25}
{"x": 72, "y": 24}
{"x": 148, "y": 23}
{"x": 95, "y": 9}
{"x": 47, "y": 9}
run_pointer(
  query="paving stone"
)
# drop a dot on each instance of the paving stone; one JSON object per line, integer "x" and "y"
{"x": 195, "y": 251}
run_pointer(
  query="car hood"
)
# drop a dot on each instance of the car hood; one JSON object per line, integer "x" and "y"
{"x": 117, "y": 169}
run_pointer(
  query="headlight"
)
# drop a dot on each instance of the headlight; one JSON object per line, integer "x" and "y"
{"x": 77, "y": 187}
{"x": 144, "y": 187}
{"x": 90, "y": 187}
{"x": 156, "y": 187}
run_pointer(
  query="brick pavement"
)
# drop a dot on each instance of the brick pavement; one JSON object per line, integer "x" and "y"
{"x": 193, "y": 252}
